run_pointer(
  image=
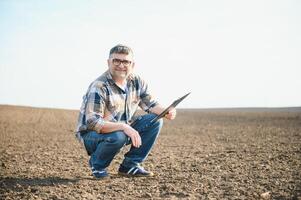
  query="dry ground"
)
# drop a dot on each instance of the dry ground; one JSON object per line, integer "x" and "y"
{"x": 203, "y": 154}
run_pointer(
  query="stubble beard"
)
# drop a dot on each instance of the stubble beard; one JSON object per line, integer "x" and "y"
{"x": 120, "y": 74}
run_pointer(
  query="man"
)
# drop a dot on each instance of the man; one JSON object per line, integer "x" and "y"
{"x": 107, "y": 122}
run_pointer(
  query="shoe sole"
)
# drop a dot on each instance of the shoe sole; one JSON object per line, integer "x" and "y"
{"x": 135, "y": 175}
{"x": 101, "y": 177}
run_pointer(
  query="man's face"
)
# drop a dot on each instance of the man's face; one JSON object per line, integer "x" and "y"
{"x": 121, "y": 65}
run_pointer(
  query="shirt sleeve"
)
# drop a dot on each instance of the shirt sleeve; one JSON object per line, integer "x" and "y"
{"x": 95, "y": 110}
{"x": 147, "y": 100}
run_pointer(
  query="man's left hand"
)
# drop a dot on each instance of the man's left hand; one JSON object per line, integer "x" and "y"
{"x": 171, "y": 114}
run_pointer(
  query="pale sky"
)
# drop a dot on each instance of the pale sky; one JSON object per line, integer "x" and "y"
{"x": 226, "y": 53}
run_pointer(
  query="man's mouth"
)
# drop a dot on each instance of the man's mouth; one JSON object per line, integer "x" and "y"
{"x": 120, "y": 70}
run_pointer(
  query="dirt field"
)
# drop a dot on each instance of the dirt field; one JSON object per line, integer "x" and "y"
{"x": 203, "y": 154}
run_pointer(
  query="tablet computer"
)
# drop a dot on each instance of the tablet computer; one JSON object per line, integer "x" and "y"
{"x": 171, "y": 106}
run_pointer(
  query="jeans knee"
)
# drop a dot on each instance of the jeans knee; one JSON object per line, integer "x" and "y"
{"x": 159, "y": 123}
{"x": 117, "y": 138}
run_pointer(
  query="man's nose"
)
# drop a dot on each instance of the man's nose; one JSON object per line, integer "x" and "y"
{"x": 121, "y": 65}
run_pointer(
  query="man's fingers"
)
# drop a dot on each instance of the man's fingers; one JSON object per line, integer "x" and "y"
{"x": 171, "y": 114}
{"x": 133, "y": 141}
{"x": 136, "y": 140}
{"x": 139, "y": 141}
{"x": 134, "y": 135}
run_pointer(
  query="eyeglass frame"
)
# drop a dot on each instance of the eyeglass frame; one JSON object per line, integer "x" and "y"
{"x": 119, "y": 61}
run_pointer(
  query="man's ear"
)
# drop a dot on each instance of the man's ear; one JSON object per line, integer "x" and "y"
{"x": 133, "y": 65}
{"x": 108, "y": 62}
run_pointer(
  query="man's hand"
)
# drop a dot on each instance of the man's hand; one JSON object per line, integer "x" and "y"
{"x": 133, "y": 134}
{"x": 171, "y": 114}
{"x": 159, "y": 109}
{"x": 109, "y": 127}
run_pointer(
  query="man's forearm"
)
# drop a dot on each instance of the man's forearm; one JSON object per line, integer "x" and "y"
{"x": 158, "y": 109}
{"x": 109, "y": 127}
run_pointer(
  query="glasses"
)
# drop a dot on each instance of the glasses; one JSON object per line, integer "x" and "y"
{"x": 117, "y": 62}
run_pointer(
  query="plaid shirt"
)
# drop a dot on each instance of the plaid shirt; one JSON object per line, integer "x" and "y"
{"x": 105, "y": 101}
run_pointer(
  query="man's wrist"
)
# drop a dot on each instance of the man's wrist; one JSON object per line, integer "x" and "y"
{"x": 124, "y": 126}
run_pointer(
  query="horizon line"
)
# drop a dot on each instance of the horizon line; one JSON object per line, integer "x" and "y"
{"x": 298, "y": 108}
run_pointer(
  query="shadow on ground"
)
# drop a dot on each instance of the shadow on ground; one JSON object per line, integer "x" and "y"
{"x": 12, "y": 182}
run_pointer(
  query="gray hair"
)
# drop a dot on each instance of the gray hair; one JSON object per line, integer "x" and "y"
{"x": 121, "y": 49}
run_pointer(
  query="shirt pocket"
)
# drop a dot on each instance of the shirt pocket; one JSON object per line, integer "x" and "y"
{"x": 116, "y": 105}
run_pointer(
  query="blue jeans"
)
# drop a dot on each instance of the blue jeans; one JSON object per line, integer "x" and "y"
{"x": 102, "y": 148}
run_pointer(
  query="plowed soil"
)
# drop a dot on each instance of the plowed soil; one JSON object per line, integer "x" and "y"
{"x": 203, "y": 154}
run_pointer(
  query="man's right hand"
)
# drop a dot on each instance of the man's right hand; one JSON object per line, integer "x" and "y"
{"x": 133, "y": 134}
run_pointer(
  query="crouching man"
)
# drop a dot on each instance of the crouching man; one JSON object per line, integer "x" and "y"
{"x": 106, "y": 120}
